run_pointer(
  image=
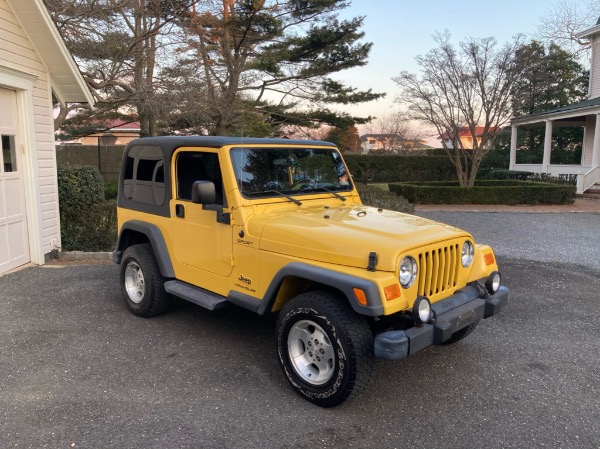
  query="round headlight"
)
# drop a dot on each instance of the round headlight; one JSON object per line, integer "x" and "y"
{"x": 467, "y": 253}
{"x": 407, "y": 272}
{"x": 422, "y": 310}
{"x": 493, "y": 282}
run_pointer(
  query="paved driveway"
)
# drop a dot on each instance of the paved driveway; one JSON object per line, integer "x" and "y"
{"x": 76, "y": 368}
{"x": 546, "y": 237}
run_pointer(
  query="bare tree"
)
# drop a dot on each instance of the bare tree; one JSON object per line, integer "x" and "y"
{"x": 564, "y": 19}
{"x": 464, "y": 90}
{"x": 396, "y": 130}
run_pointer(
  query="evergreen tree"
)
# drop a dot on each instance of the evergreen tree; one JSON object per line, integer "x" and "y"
{"x": 346, "y": 139}
{"x": 250, "y": 52}
{"x": 120, "y": 46}
{"x": 213, "y": 66}
{"x": 551, "y": 77}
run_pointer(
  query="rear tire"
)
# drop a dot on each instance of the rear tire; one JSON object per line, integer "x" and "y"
{"x": 141, "y": 282}
{"x": 325, "y": 349}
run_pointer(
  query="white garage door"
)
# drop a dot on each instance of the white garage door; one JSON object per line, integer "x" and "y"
{"x": 14, "y": 242}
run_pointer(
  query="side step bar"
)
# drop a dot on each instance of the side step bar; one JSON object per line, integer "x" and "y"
{"x": 198, "y": 296}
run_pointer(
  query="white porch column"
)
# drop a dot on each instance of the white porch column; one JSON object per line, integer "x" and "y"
{"x": 596, "y": 146}
{"x": 513, "y": 147}
{"x": 547, "y": 147}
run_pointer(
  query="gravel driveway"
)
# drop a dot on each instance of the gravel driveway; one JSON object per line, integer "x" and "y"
{"x": 78, "y": 370}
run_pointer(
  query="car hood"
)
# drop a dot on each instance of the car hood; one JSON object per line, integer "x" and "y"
{"x": 346, "y": 235}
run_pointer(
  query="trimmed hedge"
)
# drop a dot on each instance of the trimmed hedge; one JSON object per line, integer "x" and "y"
{"x": 376, "y": 197}
{"x": 88, "y": 222}
{"x": 504, "y": 175}
{"x": 527, "y": 176}
{"x": 427, "y": 165}
{"x": 393, "y": 168}
{"x": 485, "y": 192}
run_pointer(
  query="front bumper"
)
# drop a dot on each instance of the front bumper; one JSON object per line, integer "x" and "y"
{"x": 456, "y": 312}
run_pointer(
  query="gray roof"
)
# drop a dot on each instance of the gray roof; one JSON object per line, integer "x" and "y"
{"x": 585, "y": 107}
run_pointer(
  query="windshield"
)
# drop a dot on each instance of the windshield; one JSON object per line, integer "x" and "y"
{"x": 291, "y": 171}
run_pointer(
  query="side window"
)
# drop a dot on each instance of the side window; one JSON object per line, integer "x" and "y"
{"x": 143, "y": 175}
{"x": 198, "y": 166}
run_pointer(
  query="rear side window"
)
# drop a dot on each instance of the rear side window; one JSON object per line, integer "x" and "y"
{"x": 143, "y": 175}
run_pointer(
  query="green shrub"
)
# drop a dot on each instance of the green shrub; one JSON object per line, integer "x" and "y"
{"x": 485, "y": 192}
{"x": 97, "y": 229}
{"x": 376, "y": 197}
{"x": 498, "y": 158}
{"x": 79, "y": 187}
{"x": 111, "y": 189}
{"x": 88, "y": 222}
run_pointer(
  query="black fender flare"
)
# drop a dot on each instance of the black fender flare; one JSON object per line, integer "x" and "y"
{"x": 156, "y": 239}
{"x": 339, "y": 281}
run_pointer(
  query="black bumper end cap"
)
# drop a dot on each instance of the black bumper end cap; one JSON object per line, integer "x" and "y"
{"x": 117, "y": 256}
{"x": 495, "y": 303}
{"x": 391, "y": 345}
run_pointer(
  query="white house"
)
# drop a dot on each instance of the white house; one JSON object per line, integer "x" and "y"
{"x": 35, "y": 66}
{"x": 585, "y": 114}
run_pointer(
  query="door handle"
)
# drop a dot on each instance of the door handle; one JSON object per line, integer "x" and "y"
{"x": 179, "y": 210}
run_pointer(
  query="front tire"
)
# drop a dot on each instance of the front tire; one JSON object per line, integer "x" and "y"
{"x": 325, "y": 349}
{"x": 141, "y": 282}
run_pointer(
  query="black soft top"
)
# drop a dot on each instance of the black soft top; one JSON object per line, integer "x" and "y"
{"x": 150, "y": 196}
{"x": 170, "y": 143}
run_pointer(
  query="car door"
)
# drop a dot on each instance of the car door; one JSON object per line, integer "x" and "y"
{"x": 200, "y": 241}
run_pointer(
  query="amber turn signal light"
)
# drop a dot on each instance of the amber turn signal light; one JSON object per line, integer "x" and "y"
{"x": 392, "y": 292}
{"x": 360, "y": 296}
{"x": 489, "y": 258}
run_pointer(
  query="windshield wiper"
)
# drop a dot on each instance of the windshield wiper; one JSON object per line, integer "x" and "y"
{"x": 325, "y": 189}
{"x": 291, "y": 198}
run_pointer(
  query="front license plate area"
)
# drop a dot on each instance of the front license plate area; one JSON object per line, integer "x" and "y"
{"x": 467, "y": 318}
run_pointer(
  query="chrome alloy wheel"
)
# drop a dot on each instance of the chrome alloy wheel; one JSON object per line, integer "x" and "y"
{"x": 311, "y": 353}
{"x": 134, "y": 282}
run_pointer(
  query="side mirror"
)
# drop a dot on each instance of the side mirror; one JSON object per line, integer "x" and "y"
{"x": 203, "y": 192}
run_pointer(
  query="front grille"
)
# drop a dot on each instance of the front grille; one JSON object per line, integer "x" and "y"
{"x": 438, "y": 270}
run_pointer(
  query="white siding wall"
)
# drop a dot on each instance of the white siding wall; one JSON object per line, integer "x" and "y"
{"x": 595, "y": 69}
{"x": 17, "y": 53}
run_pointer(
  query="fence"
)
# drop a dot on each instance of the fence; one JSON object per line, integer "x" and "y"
{"x": 107, "y": 158}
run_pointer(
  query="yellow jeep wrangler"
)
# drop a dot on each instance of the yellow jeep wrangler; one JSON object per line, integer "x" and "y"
{"x": 274, "y": 225}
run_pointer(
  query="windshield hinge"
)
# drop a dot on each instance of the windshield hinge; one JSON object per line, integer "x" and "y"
{"x": 373, "y": 259}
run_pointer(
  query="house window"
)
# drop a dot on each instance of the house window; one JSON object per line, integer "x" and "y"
{"x": 9, "y": 155}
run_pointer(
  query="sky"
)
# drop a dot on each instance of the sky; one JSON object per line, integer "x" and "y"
{"x": 400, "y": 30}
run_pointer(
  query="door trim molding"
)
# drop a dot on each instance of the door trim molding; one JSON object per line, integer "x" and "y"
{"x": 22, "y": 83}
